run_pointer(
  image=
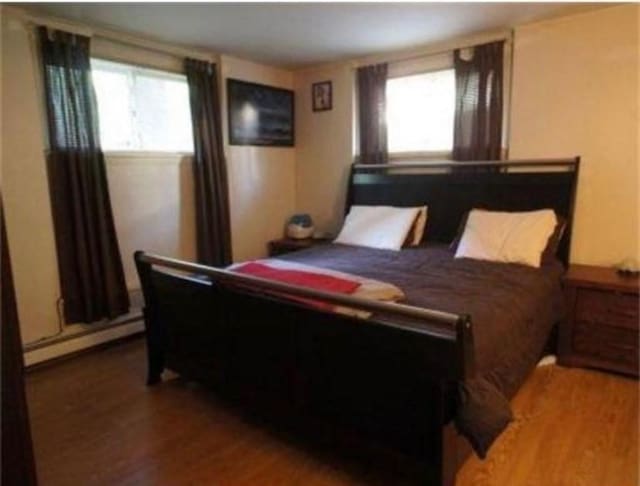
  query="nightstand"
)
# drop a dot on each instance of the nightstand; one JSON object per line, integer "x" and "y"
{"x": 287, "y": 245}
{"x": 601, "y": 329}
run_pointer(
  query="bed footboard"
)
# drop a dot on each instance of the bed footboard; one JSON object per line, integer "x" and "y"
{"x": 389, "y": 379}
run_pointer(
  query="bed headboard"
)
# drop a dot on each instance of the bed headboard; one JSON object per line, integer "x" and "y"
{"x": 453, "y": 188}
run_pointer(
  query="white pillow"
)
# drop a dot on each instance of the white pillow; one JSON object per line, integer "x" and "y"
{"x": 507, "y": 237}
{"x": 383, "y": 227}
{"x": 418, "y": 226}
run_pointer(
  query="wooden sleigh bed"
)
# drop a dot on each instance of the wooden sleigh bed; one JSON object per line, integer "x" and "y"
{"x": 391, "y": 379}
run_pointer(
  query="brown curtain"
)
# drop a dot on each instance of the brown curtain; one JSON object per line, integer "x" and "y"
{"x": 91, "y": 274}
{"x": 213, "y": 231}
{"x": 18, "y": 467}
{"x": 478, "y": 116}
{"x": 372, "y": 116}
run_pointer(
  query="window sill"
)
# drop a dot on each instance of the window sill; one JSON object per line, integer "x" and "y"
{"x": 144, "y": 154}
{"x": 420, "y": 157}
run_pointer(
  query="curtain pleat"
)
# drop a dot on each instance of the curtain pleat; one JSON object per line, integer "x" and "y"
{"x": 91, "y": 273}
{"x": 372, "y": 116}
{"x": 478, "y": 114}
{"x": 213, "y": 229}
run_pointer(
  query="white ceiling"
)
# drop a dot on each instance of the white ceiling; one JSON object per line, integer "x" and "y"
{"x": 298, "y": 34}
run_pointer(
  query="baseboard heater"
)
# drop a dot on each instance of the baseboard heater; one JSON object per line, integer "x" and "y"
{"x": 59, "y": 346}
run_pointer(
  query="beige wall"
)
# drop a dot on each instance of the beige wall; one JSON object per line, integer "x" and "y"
{"x": 122, "y": 52}
{"x": 153, "y": 207}
{"x": 151, "y": 194}
{"x": 24, "y": 186}
{"x": 575, "y": 92}
{"x": 324, "y": 147}
{"x": 261, "y": 179}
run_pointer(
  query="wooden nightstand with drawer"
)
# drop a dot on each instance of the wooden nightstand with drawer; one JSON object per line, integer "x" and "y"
{"x": 601, "y": 329}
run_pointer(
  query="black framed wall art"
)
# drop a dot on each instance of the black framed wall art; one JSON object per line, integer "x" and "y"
{"x": 322, "y": 96}
{"x": 259, "y": 114}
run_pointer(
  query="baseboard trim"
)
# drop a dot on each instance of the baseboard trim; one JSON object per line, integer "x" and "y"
{"x": 98, "y": 347}
{"x": 80, "y": 341}
{"x": 91, "y": 329}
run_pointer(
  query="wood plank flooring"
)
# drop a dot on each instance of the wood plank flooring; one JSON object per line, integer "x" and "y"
{"x": 95, "y": 423}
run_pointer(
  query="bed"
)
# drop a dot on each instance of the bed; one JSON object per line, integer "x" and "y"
{"x": 430, "y": 377}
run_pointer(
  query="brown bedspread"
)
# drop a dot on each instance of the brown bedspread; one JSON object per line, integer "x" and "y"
{"x": 512, "y": 307}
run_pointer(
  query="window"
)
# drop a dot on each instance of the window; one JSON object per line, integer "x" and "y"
{"x": 142, "y": 109}
{"x": 420, "y": 110}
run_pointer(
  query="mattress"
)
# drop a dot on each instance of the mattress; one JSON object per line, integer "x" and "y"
{"x": 512, "y": 307}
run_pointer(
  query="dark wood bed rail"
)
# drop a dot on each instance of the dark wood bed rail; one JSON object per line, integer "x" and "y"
{"x": 439, "y": 325}
{"x": 570, "y": 163}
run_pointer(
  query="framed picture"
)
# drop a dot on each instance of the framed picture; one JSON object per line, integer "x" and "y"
{"x": 322, "y": 96}
{"x": 259, "y": 114}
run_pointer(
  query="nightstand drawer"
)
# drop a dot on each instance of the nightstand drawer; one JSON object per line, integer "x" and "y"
{"x": 615, "y": 344}
{"x": 601, "y": 329}
{"x": 609, "y": 308}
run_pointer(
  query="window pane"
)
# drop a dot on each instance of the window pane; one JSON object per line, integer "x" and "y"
{"x": 114, "y": 108}
{"x": 420, "y": 111}
{"x": 163, "y": 114}
{"x": 142, "y": 109}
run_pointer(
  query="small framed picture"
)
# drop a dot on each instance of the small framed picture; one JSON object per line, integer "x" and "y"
{"x": 321, "y": 96}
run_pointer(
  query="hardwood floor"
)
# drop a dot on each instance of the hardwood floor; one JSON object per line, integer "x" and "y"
{"x": 95, "y": 423}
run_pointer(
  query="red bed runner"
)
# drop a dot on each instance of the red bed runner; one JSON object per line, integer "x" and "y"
{"x": 312, "y": 280}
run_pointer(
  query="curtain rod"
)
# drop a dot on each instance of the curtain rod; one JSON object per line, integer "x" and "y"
{"x": 108, "y": 34}
{"x": 153, "y": 46}
{"x": 435, "y": 49}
